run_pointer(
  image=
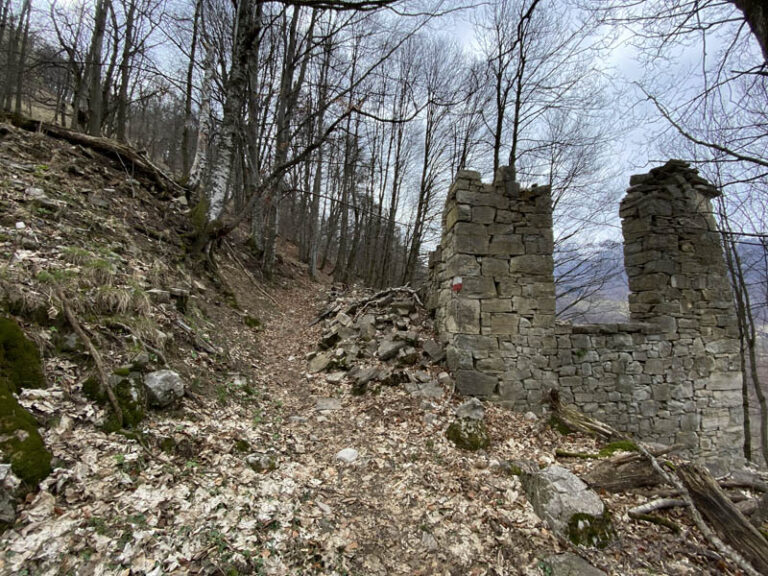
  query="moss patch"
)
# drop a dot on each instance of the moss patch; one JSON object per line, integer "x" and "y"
{"x": 587, "y": 530}
{"x": 19, "y": 359}
{"x": 132, "y": 400}
{"x": 619, "y": 446}
{"x": 20, "y": 440}
{"x": 468, "y": 434}
{"x": 130, "y": 395}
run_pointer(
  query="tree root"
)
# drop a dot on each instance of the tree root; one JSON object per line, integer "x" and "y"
{"x": 103, "y": 378}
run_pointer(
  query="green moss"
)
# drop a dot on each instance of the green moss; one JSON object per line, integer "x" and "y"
{"x": 587, "y": 530}
{"x": 468, "y": 434}
{"x": 20, "y": 440}
{"x": 131, "y": 398}
{"x": 19, "y": 358}
{"x": 92, "y": 390}
{"x": 167, "y": 444}
{"x": 557, "y": 424}
{"x": 199, "y": 215}
{"x": 618, "y": 446}
{"x": 242, "y": 446}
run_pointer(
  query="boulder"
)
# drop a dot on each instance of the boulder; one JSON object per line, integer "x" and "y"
{"x": 468, "y": 434}
{"x": 164, "y": 388}
{"x": 569, "y": 506}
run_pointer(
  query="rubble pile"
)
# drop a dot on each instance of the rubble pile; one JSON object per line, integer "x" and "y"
{"x": 383, "y": 339}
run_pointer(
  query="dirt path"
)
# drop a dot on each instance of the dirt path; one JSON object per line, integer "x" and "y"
{"x": 409, "y": 503}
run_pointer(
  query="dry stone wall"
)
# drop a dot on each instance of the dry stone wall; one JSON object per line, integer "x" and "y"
{"x": 670, "y": 375}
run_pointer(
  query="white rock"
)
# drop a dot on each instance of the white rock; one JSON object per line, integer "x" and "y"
{"x": 164, "y": 388}
{"x": 347, "y": 455}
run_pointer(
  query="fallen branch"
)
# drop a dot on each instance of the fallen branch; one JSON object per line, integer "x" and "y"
{"x": 728, "y": 522}
{"x": 653, "y": 519}
{"x": 586, "y": 424}
{"x": 656, "y": 505}
{"x": 103, "y": 378}
{"x": 580, "y": 422}
{"x": 121, "y": 152}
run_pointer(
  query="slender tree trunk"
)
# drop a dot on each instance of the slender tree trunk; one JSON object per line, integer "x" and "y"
{"x": 188, "y": 120}
{"x": 747, "y": 330}
{"x": 125, "y": 70}
{"x": 93, "y": 69}
{"x": 23, "y": 20}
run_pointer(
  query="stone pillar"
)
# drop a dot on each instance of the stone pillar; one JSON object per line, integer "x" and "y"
{"x": 679, "y": 284}
{"x": 497, "y": 239}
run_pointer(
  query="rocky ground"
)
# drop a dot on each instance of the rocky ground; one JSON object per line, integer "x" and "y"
{"x": 295, "y": 450}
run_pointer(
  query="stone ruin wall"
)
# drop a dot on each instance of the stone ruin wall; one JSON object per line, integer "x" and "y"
{"x": 670, "y": 375}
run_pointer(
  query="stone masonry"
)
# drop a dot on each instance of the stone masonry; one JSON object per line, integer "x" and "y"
{"x": 670, "y": 375}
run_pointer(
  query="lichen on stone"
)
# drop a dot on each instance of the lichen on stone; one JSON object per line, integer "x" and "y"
{"x": 588, "y": 530}
{"x": 468, "y": 434}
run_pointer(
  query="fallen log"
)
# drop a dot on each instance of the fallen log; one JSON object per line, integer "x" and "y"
{"x": 724, "y": 518}
{"x": 127, "y": 156}
{"x": 573, "y": 419}
{"x": 622, "y": 473}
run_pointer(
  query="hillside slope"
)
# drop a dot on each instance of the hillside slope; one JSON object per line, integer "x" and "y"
{"x": 244, "y": 477}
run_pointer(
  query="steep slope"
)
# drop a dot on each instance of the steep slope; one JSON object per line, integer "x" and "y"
{"x": 244, "y": 476}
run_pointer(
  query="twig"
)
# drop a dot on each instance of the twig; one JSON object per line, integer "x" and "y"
{"x": 724, "y": 549}
{"x": 655, "y": 505}
{"x": 248, "y": 273}
{"x": 655, "y": 520}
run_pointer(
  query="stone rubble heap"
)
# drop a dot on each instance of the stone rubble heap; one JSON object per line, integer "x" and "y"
{"x": 380, "y": 339}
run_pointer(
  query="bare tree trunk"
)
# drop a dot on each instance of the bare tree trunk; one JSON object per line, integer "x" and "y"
{"x": 200, "y": 161}
{"x": 94, "y": 108}
{"x": 188, "y": 121}
{"x": 125, "y": 70}
{"x": 23, "y": 20}
{"x": 747, "y": 333}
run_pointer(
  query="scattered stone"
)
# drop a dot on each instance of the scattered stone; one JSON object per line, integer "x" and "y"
{"x": 164, "y": 388}
{"x": 530, "y": 417}
{"x": 9, "y": 484}
{"x": 70, "y": 342}
{"x": 444, "y": 379}
{"x": 347, "y": 455}
{"x": 569, "y": 564}
{"x": 569, "y": 506}
{"x": 335, "y": 377}
{"x": 408, "y": 356}
{"x": 388, "y": 349}
{"x": 327, "y": 404}
{"x": 472, "y": 409}
{"x": 261, "y": 462}
{"x": 425, "y": 389}
{"x": 320, "y": 362}
{"x": 434, "y": 350}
